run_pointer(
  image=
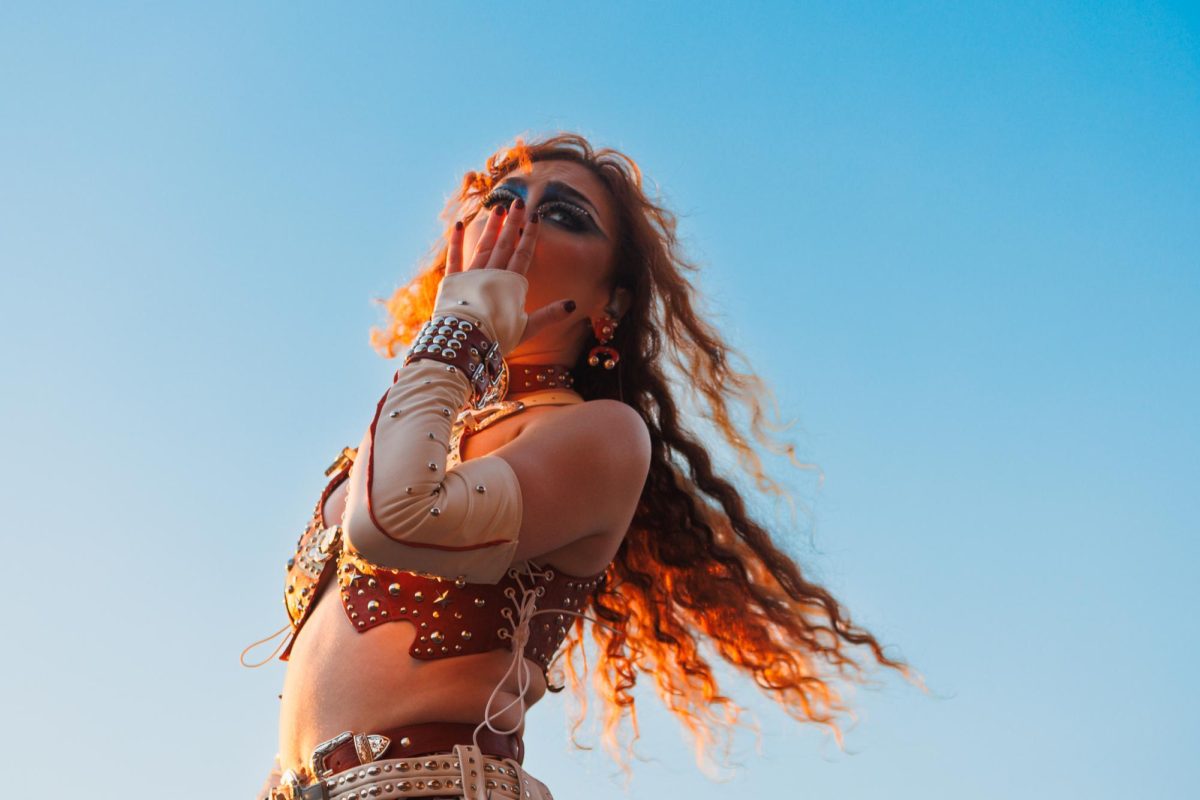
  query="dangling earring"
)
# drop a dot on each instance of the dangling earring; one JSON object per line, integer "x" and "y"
{"x": 604, "y": 329}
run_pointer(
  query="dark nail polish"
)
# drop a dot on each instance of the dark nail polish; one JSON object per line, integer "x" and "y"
{"x": 569, "y": 305}
{"x": 458, "y": 226}
{"x": 500, "y": 211}
{"x": 520, "y": 203}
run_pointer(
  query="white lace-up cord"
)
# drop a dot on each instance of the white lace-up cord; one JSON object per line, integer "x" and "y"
{"x": 278, "y": 647}
{"x": 526, "y": 611}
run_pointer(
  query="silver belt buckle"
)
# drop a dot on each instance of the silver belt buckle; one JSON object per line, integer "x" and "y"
{"x": 368, "y": 747}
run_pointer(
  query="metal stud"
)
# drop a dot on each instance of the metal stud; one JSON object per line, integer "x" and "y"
{"x": 480, "y": 602}
{"x": 479, "y": 487}
{"x": 394, "y": 414}
{"x": 432, "y": 466}
{"x": 435, "y": 511}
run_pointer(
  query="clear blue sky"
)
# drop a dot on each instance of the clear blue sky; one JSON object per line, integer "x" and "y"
{"x": 978, "y": 225}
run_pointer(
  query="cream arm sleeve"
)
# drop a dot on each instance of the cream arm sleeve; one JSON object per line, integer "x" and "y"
{"x": 404, "y": 509}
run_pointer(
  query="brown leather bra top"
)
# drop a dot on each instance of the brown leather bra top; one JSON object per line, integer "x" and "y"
{"x": 452, "y": 617}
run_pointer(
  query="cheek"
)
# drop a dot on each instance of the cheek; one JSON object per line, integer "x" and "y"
{"x": 562, "y": 258}
{"x": 563, "y": 267}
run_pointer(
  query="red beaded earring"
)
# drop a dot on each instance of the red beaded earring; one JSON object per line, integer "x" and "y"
{"x": 604, "y": 329}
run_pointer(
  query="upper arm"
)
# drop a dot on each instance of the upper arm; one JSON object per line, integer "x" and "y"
{"x": 581, "y": 474}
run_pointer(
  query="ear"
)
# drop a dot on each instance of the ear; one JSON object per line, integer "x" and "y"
{"x": 619, "y": 301}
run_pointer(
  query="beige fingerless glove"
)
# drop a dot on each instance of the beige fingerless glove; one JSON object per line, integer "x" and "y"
{"x": 404, "y": 509}
{"x": 494, "y": 298}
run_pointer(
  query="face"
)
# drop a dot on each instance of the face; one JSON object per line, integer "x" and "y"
{"x": 575, "y": 246}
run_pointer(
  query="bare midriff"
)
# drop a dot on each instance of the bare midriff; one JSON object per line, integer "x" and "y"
{"x": 340, "y": 679}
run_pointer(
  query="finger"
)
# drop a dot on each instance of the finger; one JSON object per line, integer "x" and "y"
{"x": 514, "y": 221}
{"x": 552, "y": 314}
{"x": 522, "y": 256}
{"x": 487, "y": 239}
{"x": 454, "y": 253}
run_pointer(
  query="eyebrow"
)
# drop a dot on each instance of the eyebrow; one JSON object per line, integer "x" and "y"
{"x": 554, "y": 188}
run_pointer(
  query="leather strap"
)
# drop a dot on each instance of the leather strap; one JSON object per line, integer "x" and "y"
{"x": 418, "y": 740}
{"x": 522, "y": 377}
{"x": 460, "y": 344}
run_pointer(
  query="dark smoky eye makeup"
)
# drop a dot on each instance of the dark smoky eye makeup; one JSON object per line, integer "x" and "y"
{"x": 562, "y": 212}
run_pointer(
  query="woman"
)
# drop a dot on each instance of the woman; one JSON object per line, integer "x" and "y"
{"x": 528, "y": 472}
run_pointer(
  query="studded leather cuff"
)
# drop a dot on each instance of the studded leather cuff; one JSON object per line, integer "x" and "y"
{"x": 463, "y": 344}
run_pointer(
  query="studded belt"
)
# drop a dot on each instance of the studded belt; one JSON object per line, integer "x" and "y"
{"x": 427, "y": 760}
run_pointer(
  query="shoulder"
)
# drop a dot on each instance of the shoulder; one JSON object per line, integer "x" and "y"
{"x": 612, "y": 428}
{"x": 608, "y": 436}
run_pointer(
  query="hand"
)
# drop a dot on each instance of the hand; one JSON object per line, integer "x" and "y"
{"x": 507, "y": 243}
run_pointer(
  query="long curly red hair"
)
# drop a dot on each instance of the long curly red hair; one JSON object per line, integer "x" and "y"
{"x": 694, "y": 568}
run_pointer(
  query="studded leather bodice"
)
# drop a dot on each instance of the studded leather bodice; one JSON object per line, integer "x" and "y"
{"x": 452, "y": 617}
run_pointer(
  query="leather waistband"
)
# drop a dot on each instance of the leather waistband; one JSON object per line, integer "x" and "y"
{"x": 348, "y": 750}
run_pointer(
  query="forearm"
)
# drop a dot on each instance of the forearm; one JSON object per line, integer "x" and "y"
{"x": 405, "y": 509}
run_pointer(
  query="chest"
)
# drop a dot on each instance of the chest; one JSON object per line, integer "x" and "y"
{"x": 450, "y": 617}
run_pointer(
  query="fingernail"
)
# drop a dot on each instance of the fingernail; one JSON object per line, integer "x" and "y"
{"x": 569, "y": 305}
{"x": 458, "y": 225}
{"x": 520, "y": 203}
{"x": 500, "y": 211}
{"x": 534, "y": 217}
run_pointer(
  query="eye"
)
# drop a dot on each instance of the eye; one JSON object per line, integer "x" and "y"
{"x": 567, "y": 214}
{"x": 497, "y": 195}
